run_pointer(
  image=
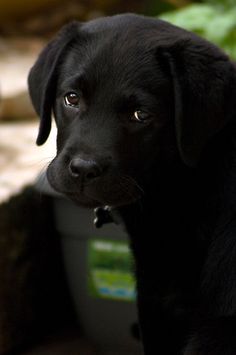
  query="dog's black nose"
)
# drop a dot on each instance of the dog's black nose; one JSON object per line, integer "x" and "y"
{"x": 85, "y": 170}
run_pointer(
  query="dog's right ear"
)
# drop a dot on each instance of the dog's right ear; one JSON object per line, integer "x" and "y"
{"x": 43, "y": 77}
{"x": 204, "y": 88}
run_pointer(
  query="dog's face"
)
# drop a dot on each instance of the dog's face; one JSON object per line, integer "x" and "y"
{"x": 111, "y": 106}
{"x": 116, "y": 87}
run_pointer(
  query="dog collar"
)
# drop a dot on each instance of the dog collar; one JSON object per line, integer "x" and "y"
{"x": 105, "y": 215}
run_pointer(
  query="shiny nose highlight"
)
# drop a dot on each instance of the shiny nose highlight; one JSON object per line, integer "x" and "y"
{"x": 85, "y": 170}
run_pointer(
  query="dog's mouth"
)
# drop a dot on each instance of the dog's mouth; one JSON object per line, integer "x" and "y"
{"x": 115, "y": 191}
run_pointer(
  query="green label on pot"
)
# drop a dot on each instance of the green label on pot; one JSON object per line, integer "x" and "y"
{"x": 110, "y": 270}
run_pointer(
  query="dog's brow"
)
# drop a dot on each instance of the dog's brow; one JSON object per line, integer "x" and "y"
{"x": 140, "y": 98}
{"x": 74, "y": 82}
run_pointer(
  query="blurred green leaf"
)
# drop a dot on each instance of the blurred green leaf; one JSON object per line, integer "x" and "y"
{"x": 215, "y": 21}
{"x": 155, "y": 7}
{"x": 194, "y": 17}
{"x": 222, "y": 3}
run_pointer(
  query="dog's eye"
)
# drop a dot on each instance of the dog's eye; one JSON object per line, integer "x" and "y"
{"x": 140, "y": 116}
{"x": 72, "y": 99}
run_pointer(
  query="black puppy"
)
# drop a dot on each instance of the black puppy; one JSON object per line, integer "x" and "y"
{"x": 146, "y": 119}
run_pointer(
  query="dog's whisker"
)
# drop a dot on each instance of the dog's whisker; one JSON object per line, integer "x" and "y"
{"x": 133, "y": 182}
{"x": 127, "y": 185}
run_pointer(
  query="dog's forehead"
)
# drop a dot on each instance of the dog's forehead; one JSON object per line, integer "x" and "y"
{"x": 118, "y": 47}
{"x": 109, "y": 68}
{"x": 125, "y": 33}
{"x": 122, "y": 39}
{"x": 118, "y": 52}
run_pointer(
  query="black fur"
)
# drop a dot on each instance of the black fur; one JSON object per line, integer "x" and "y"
{"x": 172, "y": 177}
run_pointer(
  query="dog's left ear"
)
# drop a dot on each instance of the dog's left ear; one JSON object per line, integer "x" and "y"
{"x": 43, "y": 77}
{"x": 204, "y": 86}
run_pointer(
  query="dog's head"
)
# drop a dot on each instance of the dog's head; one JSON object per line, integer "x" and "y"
{"x": 127, "y": 92}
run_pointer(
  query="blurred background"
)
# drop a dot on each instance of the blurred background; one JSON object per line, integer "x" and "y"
{"x": 35, "y": 300}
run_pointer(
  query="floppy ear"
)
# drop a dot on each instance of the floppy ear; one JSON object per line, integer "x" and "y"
{"x": 204, "y": 86}
{"x": 43, "y": 77}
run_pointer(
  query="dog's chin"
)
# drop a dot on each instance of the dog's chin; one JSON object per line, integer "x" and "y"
{"x": 95, "y": 201}
{"x": 82, "y": 200}
{"x": 92, "y": 198}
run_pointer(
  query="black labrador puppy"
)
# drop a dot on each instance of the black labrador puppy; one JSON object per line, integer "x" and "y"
{"x": 146, "y": 119}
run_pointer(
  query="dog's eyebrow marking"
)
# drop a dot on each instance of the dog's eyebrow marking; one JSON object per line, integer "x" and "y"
{"x": 76, "y": 82}
{"x": 136, "y": 100}
{"x": 80, "y": 82}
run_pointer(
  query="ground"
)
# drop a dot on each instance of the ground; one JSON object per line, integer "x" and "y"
{"x": 21, "y": 161}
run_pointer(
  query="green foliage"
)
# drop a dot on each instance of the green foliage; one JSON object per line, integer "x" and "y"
{"x": 214, "y": 20}
{"x": 155, "y": 7}
{"x": 222, "y": 3}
